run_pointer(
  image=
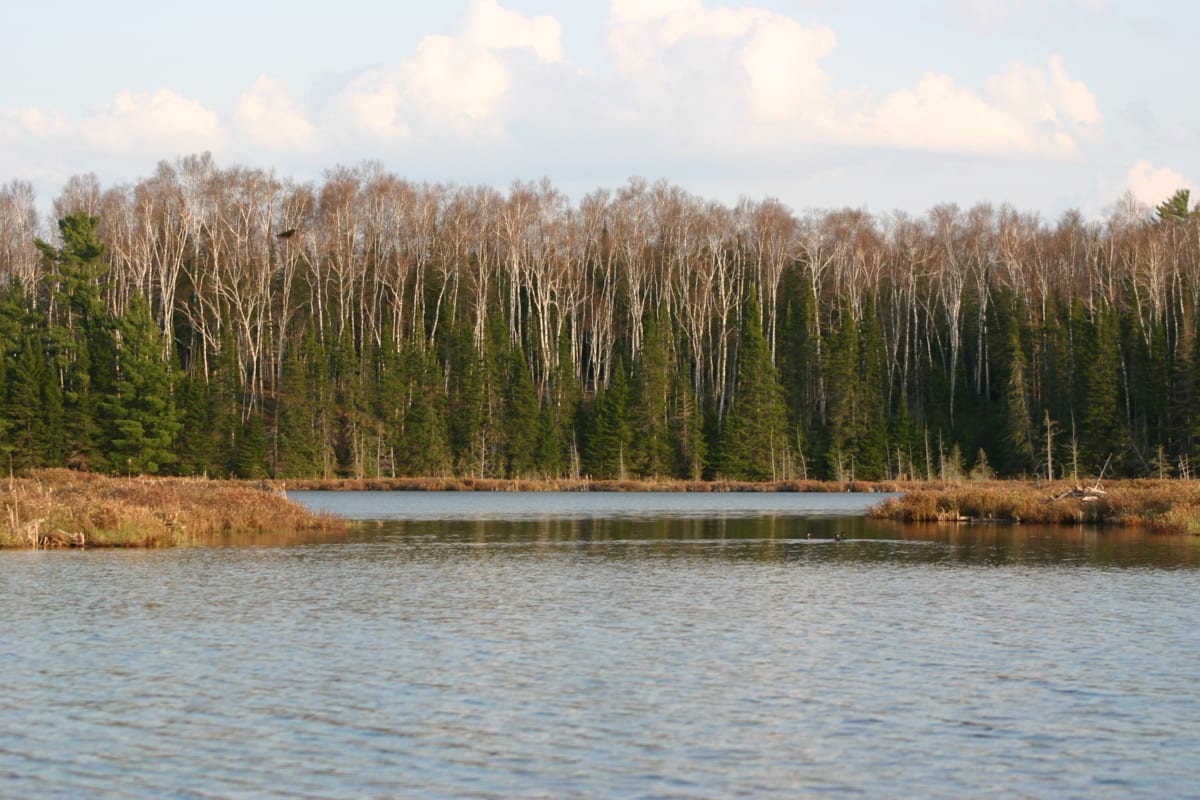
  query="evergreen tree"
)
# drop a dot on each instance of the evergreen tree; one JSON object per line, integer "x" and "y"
{"x": 140, "y": 411}
{"x": 302, "y": 411}
{"x": 690, "y": 457}
{"x": 1103, "y": 432}
{"x": 249, "y": 456}
{"x": 608, "y": 437}
{"x": 80, "y": 340}
{"x": 872, "y": 446}
{"x": 754, "y": 443}
{"x": 556, "y": 451}
{"x": 201, "y": 446}
{"x": 467, "y": 402}
{"x": 1018, "y": 421}
{"x": 522, "y": 418}
{"x": 649, "y": 418}
{"x": 423, "y": 443}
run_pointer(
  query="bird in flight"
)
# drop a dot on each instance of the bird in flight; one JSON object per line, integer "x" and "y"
{"x": 289, "y": 233}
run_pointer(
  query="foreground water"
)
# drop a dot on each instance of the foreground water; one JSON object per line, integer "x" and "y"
{"x": 607, "y": 646}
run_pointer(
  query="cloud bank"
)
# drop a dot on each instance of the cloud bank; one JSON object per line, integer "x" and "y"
{"x": 680, "y": 79}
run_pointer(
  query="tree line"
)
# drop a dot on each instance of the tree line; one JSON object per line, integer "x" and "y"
{"x": 225, "y": 321}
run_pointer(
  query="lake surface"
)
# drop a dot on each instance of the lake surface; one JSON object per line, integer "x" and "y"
{"x": 607, "y": 645}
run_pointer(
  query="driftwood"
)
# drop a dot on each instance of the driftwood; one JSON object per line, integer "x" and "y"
{"x": 1084, "y": 495}
{"x": 60, "y": 538}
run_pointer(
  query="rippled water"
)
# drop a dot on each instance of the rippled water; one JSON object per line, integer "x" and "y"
{"x": 584, "y": 652}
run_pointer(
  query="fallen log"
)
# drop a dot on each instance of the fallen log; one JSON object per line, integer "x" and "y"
{"x": 60, "y": 538}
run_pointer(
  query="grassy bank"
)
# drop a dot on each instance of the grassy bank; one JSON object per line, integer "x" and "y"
{"x": 1165, "y": 505}
{"x": 589, "y": 485}
{"x": 61, "y": 508}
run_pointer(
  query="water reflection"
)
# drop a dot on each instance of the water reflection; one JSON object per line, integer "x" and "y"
{"x": 797, "y": 539}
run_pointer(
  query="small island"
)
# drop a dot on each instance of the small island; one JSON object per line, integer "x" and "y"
{"x": 1168, "y": 506}
{"x": 66, "y": 508}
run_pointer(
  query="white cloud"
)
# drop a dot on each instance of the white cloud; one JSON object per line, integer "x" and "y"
{"x": 451, "y": 83}
{"x": 987, "y": 14}
{"x": 160, "y": 122}
{"x": 1152, "y": 185}
{"x": 33, "y": 122}
{"x": 267, "y": 115}
{"x": 492, "y": 27}
{"x": 939, "y": 115}
{"x": 762, "y": 73}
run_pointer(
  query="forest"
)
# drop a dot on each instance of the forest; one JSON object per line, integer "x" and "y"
{"x": 227, "y": 322}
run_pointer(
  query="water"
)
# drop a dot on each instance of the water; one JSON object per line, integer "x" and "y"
{"x": 607, "y": 646}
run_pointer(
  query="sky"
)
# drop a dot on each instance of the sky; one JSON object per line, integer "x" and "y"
{"x": 1048, "y": 105}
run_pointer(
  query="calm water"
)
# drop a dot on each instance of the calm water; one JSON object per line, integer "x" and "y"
{"x": 587, "y": 645}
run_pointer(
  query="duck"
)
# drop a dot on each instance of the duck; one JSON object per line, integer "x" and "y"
{"x": 839, "y": 537}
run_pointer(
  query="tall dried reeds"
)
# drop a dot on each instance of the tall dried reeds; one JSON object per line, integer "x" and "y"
{"x": 1165, "y": 505}
{"x": 63, "y": 507}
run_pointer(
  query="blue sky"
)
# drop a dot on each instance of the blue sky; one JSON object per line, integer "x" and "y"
{"x": 1047, "y": 105}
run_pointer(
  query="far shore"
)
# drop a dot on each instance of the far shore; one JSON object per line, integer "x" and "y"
{"x": 64, "y": 508}
{"x": 592, "y": 485}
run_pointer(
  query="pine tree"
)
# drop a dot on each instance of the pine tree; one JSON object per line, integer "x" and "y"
{"x": 80, "y": 334}
{"x": 140, "y": 412}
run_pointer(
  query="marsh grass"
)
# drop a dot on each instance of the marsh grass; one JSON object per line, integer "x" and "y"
{"x": 589, "y": 485}
{"x": 1164, "y": 505}
{"x": 64, "y": 508}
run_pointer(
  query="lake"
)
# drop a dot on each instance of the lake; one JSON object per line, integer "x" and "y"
{"x": 607, "y": 645}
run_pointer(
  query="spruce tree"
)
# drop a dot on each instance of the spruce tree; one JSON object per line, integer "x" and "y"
{"x": 649, "y": 418}
{"x": 80, "y": 334}
{"x": 522, "y": 418}
{"x": 754, "y": 443}
{"x": 608, "y": 438}
{"x": 1018, "y": 420}
{"x": 140, "y": 412}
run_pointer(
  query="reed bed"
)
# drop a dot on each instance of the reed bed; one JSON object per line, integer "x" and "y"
{"x": 1163, "y": 505}
{"x": 59, "y": 508}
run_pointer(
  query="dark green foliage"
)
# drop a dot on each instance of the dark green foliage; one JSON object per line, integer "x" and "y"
{"x": 416, "y": 342}
{"x": 754, "y": 444}
{"x": 1175, "y": 207}
{"x": 249, "y": 456}
{"x": 140, "y": 412}
{"x": 607, "y": 429}
{"x": 304, "y": 412}
{"x": 522, "y": 419}
{"x": 421, "y": 440}
{"x": 1019, "y": 437}
{"x": 651, "y": 451}
{"x": 1102, "y": 431}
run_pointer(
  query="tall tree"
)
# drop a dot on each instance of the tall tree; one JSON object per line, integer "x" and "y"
{"x": 754, "y": 442}
{"x": 140, "y": 412}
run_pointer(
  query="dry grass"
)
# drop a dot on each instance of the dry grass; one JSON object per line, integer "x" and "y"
{"x": 1165, "y": 505}
{"x": 590, "y": 485}
{"x": 66, "y": 508}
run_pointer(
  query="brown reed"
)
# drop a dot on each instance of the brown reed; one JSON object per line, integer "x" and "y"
{"x": 63, "y": 507}
{"x": 1162, "y": 505}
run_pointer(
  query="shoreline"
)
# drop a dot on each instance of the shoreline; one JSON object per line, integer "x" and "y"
{"x": 64, "y": 508}
{"x": 590, "y": 485}
{"x": 1160, "y": 505}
